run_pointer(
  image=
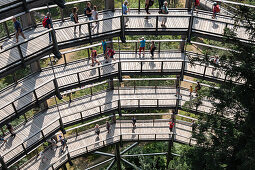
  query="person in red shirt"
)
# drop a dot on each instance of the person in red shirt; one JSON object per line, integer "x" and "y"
{"x": 94, "y": 57}
{"x": 216, "y": 9}
{"x": 110, "y": 53}
{"x": 196, "y": 4}
{"x": 171, "y": 126}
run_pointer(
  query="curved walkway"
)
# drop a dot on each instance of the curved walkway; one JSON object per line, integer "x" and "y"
{"x": 38, "y": 87}
{"x": 179, "y": 22}
{"x": 45, "y": 124}
{"x": 122, "y": 130}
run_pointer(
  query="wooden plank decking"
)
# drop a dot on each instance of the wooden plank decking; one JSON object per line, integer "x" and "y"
{"x": 109, "y": 25}
{"x": 22, "y": 95}
{"x": 88, "y": 142}
{"x": 47, "y": 122}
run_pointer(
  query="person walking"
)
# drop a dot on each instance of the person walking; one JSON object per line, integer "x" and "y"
{"x": 164, "y": 11}
{"x": 196, "y": 4}
{"x": 95, "y": 17}
{"x": 2, "y": 139}
{"x": 178, "y": 91}
{"x": 43, "y": 157}
{"x": 125, "y": 11}
{"x": 171, "y": 126}
{"x": 160, "y": 5}
{"x": 94, "y": 57}
{"x": 63, "y": 143}
{"x": 197, "y": 88}
{"x": 193, "y": 125}
{"x": 152, "y": 48}
{"x": 75, "y": 19}
{"x": 110, "y": 53}
{"x": 104, "y": 47}
{"x": 18, "y": 29}
{"x": 53, "y": 143}
{"x": 88, "y": 11}
{"x": 10, "y": 129}
{"x": 97, "y": 129}
{"x": 142, "y": 46}
{"x": 215, "y": 9}
{"x": 147, "y": 6}
{"x": 190, "y": 90}
{"x": 134, "y": 121}
{"x": 47, "y": 23}
{"x": 108, "y": 126}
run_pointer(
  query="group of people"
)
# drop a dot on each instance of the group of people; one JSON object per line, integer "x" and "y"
{"x": 97, "y": 128}
{"x": 108, "y": 53}
{"x": 197, "y": 89}
{"x": 142, "y": 46}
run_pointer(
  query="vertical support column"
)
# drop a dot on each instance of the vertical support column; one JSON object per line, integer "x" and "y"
{"x": 117, "y": 156}
{"x": 28, "y": 20}
{"x": 61, "y": 14}
{"x": 111, "y": 84}
{"x": 55, "y": 45}
{"x": 169, "y": 155}
{"x": 188, "y": 4}
{"x": 4, "y": 166}
{"x": 6, "y": 30}
{"x": 109, "y": 5}
{"x": 177, "y": 83}
{"x": 64, "y": 167}
{"x": 182, "y": 43}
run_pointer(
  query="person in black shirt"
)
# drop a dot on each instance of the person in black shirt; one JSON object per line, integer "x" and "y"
{"x": 18, "y": 29}
{"x": 88, "y": 11}
{"x": 10, "y": 129}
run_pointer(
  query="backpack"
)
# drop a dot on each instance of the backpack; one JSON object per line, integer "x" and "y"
{"x": 217, "y": 8}
{"x": 72, "y": 17}
{"x": 197, "y": 2}
{"x": 44, "y": 22}
{"x": 151, "y": 2}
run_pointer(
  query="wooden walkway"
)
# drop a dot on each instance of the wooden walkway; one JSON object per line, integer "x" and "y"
{"x": 89, "y": 142}
{"x": 19, "y": 98}
{"x": 15, "y": 55}
{"x": 44, "y": 124}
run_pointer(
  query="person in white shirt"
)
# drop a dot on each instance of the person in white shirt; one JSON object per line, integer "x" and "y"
{"x": 95, "y": 17}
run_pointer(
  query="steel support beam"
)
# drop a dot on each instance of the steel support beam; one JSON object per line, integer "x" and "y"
{"x": 111, "y": 165}
{"x": 104, "y": 154}
{"x": 117, "y": 155}
{"x": 129, "y": 163}
{"x": 130, "y": 147}
{"x": 169, "y": 155}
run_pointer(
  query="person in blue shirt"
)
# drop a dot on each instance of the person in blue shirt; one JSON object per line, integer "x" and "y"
{"x": 125, "y": 10}
{"x": 142, "y": 46}
{"x": 18, "y": 29}
{"x": 104, "y": 47}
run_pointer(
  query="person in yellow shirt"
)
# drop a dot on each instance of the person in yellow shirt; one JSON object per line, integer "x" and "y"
{"x": 190, "y": 90}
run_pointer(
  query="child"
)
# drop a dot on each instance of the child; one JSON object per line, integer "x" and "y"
{"x": 94, "y": 57}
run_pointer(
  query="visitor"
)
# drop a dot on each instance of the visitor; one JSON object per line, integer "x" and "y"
{"x": 18, "y": 29}
{"x": 94, "y": 57}
{"x": 2, "y": 139}
{"x": 43, "y": 157}
{"x": 164, "y": 11}
{"x": 171, "y": 126}
{"x": 152, "y": 48}
{"x": 10, "y": 129}
{"x": 75, "y": 19}
{"x": 173, "y": 116}
{"x": 197, "y": 88}
{"x": 160, "y": 5}
{"x": 196, "y": 4}
{"x": 215, "y": 9}
{"x": 110, "y": 53}
{"x": 47, "y": 23}
{"x": 216, "y": 62}
{"x": 193, "y": 125}
{"x": 97, "y": 130}
{"x": 190, "y": 90}
{"x": 178, "y": 91}
{"x": 134, "y": 121}
{"x": 147, "y": 6}
{"x": 125, "y": 10}
{"x": 53, "y": 143}
{"x": 108, "y": 126}
{"x": 95, "y": 17}
{"x": 63, "y": 143}
{"x": 104, "y": 47}
{"x": 88, "y": 11}
{"x": 142, "y": 46}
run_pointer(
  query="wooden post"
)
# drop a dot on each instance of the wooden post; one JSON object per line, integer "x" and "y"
{"x": 188, "y": 4}
{"x": 61, "y": 14}
{"x": 6, "y": 30}
{"x": 117, "y": 156}
{"x": 177, "y": 83}
{"x": 157, "y": 25}
{"x": 109, "y": 5}
{"x": 57, "y": 89}
{"x": 4, "y": 166}
{"x": 169, "y": 155}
